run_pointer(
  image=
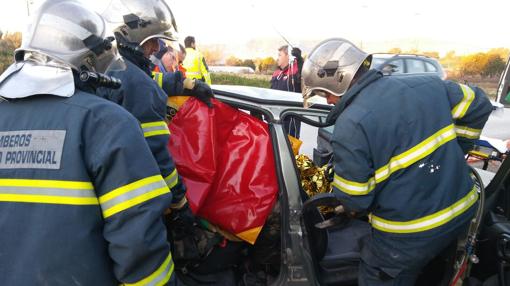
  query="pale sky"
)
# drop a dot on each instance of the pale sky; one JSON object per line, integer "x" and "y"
{"x": 440, "y": 25}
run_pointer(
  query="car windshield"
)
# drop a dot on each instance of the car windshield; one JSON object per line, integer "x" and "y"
{"x": 376, "y": 62}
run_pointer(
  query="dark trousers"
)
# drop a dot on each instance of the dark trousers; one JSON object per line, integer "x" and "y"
{"x": 392, "y": 260}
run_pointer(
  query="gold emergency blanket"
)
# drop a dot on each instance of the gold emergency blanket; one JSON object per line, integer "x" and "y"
{"x": 313, "y": 179}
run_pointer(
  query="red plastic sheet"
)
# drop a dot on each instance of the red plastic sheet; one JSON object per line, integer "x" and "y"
{"x": 226, "y": 160}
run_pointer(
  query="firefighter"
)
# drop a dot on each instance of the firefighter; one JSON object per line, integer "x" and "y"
{"x": 399, "y": 145}
{"x": 140, "y": 24}
{"x": 194, "y": 62}
{"x": 81, "y": 197}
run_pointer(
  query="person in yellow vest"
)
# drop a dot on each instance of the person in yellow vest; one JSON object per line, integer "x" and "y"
{"x": 194, "y": 63}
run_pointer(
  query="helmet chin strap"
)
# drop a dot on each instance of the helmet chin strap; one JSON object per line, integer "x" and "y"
{"x": 123, "y": 43}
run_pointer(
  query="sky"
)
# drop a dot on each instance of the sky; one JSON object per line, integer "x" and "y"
{"x": 439, "y": 25}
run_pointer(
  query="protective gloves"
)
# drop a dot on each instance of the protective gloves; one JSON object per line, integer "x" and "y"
{"x": 199, "y": 89}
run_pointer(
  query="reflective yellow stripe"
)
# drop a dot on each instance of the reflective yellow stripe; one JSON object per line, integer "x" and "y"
{"x": 418, "y": 152}
{"x": 461, "y": 108}
{"x": 158, "y": 77}
{"x": 172, "y": 179}
{"x": 132, "y": 194}
{"x": 154, "y": 124}
{"x": 46, "y": 184}
{"x": 353, "y": 188}
{"x": 428, "y": 222}
{"x": 401, "y": 161}
{"x": 466, "y": 132}
{"x": 48, "y": 199}
{"x": 160, "y": 277}
{"x": 47, "y": 192}
{"x": 155, "y": 128}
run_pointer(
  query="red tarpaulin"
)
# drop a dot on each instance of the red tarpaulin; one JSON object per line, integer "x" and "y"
{"x": 226, "y": 160}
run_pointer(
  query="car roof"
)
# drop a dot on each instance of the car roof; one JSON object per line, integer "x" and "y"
{"x": 383, "y": 55}
{"x": 272, "y": 100}
{"x": 261, "y": 94}
{"x": 390, "y": 55}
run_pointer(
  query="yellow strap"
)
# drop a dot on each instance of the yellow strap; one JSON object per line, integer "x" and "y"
{"x": 479, "y": 154}
{"x": 428, "y": 222}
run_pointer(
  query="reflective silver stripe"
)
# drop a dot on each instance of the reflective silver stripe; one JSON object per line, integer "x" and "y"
{"x": 193, "y": 73}
{"x": 172, "y": 179}
{"x": 132, "y": 194}
{"x": 164, "y": 276}
{"x": 48, "y": 192}
{"x": 428, "y": 222}
{"x": 159, "y": 277}
{"x": 467, "y": 132}
{"x": 154, "y": 128}
{"x": 353, "y": 188}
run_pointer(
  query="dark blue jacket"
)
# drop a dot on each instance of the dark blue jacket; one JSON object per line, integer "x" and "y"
{"x": 143, "y": 98}
{"x": 399, "y": 145}
{"x": 287, "y": 79}
{"x": 81, "y": 197}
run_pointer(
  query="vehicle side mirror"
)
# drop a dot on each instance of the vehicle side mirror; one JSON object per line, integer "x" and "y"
{"x": 389, "y": 69}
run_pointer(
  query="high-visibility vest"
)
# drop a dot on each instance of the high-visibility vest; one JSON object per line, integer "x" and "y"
{"x": 195, "y": 65}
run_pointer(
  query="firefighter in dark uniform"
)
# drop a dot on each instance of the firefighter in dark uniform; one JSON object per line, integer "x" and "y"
{"x": 81, "y": 197}
{"x": 139, "y": 25}
{"x": 399, "y": 145}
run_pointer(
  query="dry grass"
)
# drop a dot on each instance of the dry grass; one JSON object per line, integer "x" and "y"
{"x": 257, "y": 80}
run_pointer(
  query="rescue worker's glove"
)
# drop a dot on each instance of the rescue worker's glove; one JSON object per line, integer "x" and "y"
{"x": 173, "y": 83}
{"x": 183, "y": 215}
{"x": 199, "y": 89}
{"x": 296, "y": 52}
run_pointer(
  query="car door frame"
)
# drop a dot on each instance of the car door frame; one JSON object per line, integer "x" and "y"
{"x": 504, "y": 85}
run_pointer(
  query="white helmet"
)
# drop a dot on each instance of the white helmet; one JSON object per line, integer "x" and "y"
{"x": 331, "y": 67}
{"x": 141, "y": 20}
{"x": 63, "y": 36}
{"x": 67, "y": 32}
